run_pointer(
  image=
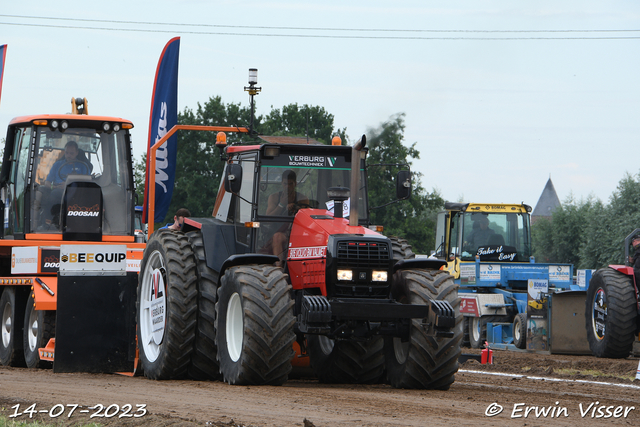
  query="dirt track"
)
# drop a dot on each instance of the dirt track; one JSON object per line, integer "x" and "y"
{"x": 188, "y": 403}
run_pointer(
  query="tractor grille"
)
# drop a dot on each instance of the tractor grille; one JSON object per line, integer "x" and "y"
{"x": 363, "y": 254}
{"x": 362, "y": 258}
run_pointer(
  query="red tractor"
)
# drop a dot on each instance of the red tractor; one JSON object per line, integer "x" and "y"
{"x": 613, "y": 308}
{"x": 232, "y": 296}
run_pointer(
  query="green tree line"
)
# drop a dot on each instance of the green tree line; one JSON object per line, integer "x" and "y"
{"x": 589, "y": 233}
{"x": 199, "y": 168}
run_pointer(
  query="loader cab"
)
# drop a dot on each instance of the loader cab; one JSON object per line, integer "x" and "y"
{"x": 69, "y": 175}
{"x": 490, "y": 232}
{"x": 315, "y": 168}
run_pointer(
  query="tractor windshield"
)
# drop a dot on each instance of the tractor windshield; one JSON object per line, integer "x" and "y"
{"x": 306, "y": 187}
{"x": 84, "y": 154}
{"x": 302, "y": 182}
{"x": 495, "y": 236}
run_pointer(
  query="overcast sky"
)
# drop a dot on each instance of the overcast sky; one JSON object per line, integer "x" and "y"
{"x": 498, "y": 95}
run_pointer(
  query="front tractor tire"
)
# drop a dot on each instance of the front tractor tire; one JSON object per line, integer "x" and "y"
{"x": 347, "y": 361}
{"x": 167, "y": 305}
{"x": 254, "y": 325}
{"x": 424, "y": 362}
{"x": 611, "y": 314}
{"x": 401, "y": 248}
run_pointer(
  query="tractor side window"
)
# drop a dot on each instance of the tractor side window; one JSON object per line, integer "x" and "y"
{"x": 19, "y": 174}
{"x": 244, "y": 207}
{"x": 109, "y": 154}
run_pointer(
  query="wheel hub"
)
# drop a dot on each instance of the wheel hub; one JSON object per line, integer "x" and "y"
{"x": 400, "y": 350}
{"x": 234, "y": 327}
{"x": 326, "y": 344}
{"x": 6, "y": 325}
{"x": 475, "y": 328}
{"x": 32, "y": 335}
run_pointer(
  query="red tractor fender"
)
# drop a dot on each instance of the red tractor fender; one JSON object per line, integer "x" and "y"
{"x": 624, "y": 269}
{"x": 628, "y": 271}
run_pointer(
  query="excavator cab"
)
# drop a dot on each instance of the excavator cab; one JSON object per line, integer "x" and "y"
{"x": 68, "y": 248}
{"x": 67, "y": 173}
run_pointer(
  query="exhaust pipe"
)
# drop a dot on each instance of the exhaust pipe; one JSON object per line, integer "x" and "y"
{"x": 356, "y": 156}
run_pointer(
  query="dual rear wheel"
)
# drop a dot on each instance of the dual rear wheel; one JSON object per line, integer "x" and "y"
{"x": 24, "y": 329}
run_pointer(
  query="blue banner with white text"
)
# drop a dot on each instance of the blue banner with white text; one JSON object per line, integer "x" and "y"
{"x": 163, "y": 116}
{"x": 3, "y": 54}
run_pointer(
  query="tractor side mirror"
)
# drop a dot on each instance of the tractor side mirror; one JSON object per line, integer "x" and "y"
{"x": 403, "y": 185}
{"x": 233, "y": 178}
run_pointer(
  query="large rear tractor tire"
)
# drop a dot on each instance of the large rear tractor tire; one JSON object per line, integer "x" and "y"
{"x": 350, "y": 362}
{"x": 401, "y": 248}
{"x": 39, "y": 328}
{"x": 611, "y": 314}
{"x": 167, "y": 305}
{"x": 204, "y": 362}
{"x": 424, "y": 361}
{"x": 254, "y": 325}
{"x": 520, "y": 330}
{"x": 12, "y": 312}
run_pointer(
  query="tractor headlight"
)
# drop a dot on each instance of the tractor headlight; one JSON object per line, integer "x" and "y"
{"x": 378, "y": 276}
{"x": 345, "y": 275}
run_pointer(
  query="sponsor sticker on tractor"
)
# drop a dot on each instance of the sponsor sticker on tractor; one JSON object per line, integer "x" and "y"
{"x": 49, "y": 260}
{"x": 468, "y": 273}
{"x": 469, "y": 305}
{"x": 309, "y": 252}
{"x": 346, "y": 209}
{"x": 560, "y": 273}
{"x": 157, "y": 306}
{"x": 24, "y": 260}
{"x": 93, "y": 260}
{"x": 489, "y": 272}
{"x": 537, "y": 287}
{"x": 537, "y": 314}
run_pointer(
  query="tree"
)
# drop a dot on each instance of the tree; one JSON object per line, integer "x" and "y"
{"x": 414, "y": 219}
{"x": 294, "y": 120}
{"x": 560, "y": 239}
{"x": 589, "y": 233}
{"x": 610, "y": 224}
{"x": 198, "y": 163}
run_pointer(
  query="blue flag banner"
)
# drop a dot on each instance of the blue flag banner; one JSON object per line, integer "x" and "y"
{"x": 163, "y": 116}
{"x": 3, "y": 54}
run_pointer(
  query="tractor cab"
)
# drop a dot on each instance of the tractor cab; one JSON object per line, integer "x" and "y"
{"x": 491, "y": 233}
{"x": 287, "y": 178}
{"x": 68, "y": 174}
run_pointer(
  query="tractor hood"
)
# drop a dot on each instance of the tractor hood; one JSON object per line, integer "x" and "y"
{"x": 312, "y": 228}
{"x": 309, "y": 259}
